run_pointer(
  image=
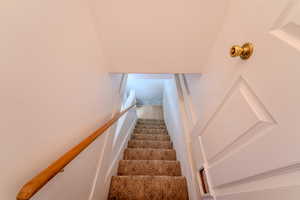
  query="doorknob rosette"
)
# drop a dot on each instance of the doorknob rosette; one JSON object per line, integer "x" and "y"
{"x": 244, "y": 51}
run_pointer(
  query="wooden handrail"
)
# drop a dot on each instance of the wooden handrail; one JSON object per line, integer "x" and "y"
{"x": 35, "y": 184}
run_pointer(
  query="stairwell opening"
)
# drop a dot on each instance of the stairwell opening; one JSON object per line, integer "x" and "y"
{"x": 149, "y": 168}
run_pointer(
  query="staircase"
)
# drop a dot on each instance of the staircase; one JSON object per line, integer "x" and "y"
{"x": 149, "y": 169}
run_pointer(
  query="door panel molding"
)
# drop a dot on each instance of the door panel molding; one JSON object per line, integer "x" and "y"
{"x": 290, "y": 193}
{"x": 291, "y": 170}
{"x": 287, "y": 26}
{"x": 239, "y": 119}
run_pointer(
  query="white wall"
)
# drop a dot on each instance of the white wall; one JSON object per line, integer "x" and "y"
{"x": 171, "y": 36}
{"x": 55, "y": 89}
{"x": 186, "y": 84}
{"x": 177, "y": 124}
{"x": 148, "y": 91}
{"x": 150, "y": 112}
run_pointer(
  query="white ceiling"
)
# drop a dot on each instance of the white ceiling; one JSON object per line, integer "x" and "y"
{"x": 157, "y": 36}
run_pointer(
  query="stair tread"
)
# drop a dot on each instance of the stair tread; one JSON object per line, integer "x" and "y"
{"x": 150, "y": 131}
{"x": 154, "y": 122}
{"x": 150, "y": 120}
{"x": 149, "y": 144}
{"x": 148, "y": 187}
{"x": 150, "y": 126}
{"x": 149, "y": 154}
{"x": 158, "y": 137}
{"x": 149, "y": 167}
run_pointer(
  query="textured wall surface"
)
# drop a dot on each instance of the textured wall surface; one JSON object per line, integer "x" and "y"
{"x": 148, "y": 91}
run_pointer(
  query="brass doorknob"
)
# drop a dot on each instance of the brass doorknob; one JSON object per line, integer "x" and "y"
{"x": 244, "y": 51}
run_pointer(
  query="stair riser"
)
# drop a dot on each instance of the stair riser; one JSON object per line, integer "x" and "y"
{"x": 148, "y": 187}
{"x": 151, "y": 137}
{"x": 149, "y": 154}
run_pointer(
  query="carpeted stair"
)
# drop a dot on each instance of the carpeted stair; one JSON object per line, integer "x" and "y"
{"x": 149, "y": 169}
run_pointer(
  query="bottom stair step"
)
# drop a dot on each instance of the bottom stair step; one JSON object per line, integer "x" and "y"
{"x": 148, "y": 187}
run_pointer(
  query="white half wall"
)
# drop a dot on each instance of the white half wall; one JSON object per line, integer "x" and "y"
{"x": 177, "y": 125}
{"x": 111, "y": 155}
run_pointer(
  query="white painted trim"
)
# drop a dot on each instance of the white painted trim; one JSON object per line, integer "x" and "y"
{"x": 205, "y": 165}
{"x": 277, "y": 193}
{"x": 123, "y": 84}
{"x": 191, "y": 172}
{"x": 193, "y": 124}
{"x": 187, "y": 100}
{"x": 192, "y": 169}
{"x": 284, "y": 177}
{"x": 98, "y": 169}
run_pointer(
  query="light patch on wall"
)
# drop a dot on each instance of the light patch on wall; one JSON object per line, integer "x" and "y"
{"x": 148, "y": 88}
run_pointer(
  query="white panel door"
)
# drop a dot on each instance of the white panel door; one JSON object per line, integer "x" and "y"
{"x": 252, "y": 141}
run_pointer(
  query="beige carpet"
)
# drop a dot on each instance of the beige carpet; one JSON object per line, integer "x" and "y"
{"x": 149, "y": 169}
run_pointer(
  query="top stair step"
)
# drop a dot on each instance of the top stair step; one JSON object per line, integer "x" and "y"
{"x": 150, "y": 131}
{"x": 151, "y": 121}
{"x": 151, "y": 126}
